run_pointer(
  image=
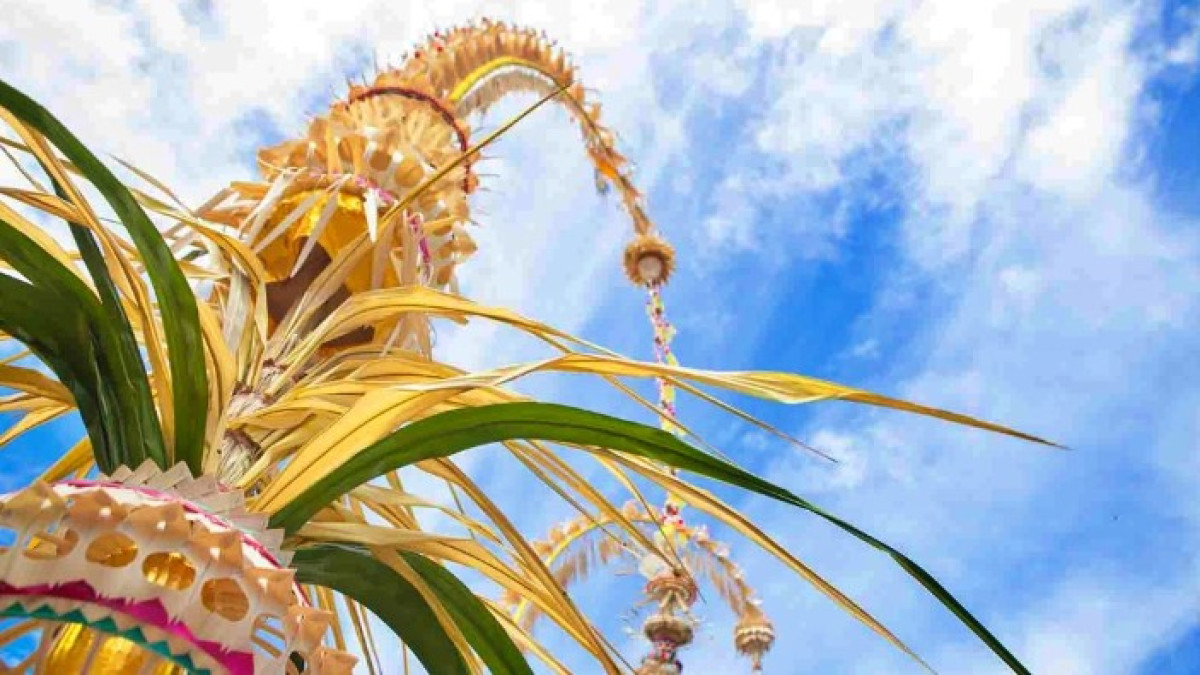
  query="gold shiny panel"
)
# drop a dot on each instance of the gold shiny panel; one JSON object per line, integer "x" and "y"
{"x": 225, "y": 597}
{"x": 169, "y": 570}
{"x": 77, "y": 647}
{"x": 112, "y": 550}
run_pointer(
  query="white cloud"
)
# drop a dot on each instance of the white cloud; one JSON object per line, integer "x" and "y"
{"x": 851, "y": 467}
{"x": 1063, "y": 288}
{"x": 1078, "y": 141}
{"x": 1098, "y": 622}
{"x": 845, "y": 27}
{"x": 949, "y": 97}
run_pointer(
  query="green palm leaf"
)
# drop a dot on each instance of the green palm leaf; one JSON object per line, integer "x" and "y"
{"x": 62, "y": 338}
{"x": 450, "y": 432}
{"x": 126, "y": 356}
{"x": 356, "y": 574}
{"x": 485, "y": 634}
{"x": 176, "y": 301}
{"x": 67, "y": 327}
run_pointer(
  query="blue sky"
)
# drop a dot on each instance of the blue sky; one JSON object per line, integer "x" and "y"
{"x": 989, "y": 207}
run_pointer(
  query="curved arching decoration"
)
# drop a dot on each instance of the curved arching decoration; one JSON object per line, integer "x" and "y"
{"x": 474, "y": 67}
{"x": 393, "y": 162}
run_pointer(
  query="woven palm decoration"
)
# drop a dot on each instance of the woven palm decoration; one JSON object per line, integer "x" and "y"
{"x": 257, "y": 382}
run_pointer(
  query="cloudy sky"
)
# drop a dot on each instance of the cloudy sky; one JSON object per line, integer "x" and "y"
{"x": 987, "y": 206}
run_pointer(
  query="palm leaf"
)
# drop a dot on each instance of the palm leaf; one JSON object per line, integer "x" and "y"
{"x": 60, "y": 336}
{"x": 374, "y": 585}
{"x": 117, "y": 378}
{"x": 176, "y": 301}
{"x": 125, "y": 355}
{"x": 448, "y": 433}
{"x": 35, "y": 383}
{"x": 489, "y": 639}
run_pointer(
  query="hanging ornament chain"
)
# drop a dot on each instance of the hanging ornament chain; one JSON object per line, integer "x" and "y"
{"x": 664, "y": 333}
